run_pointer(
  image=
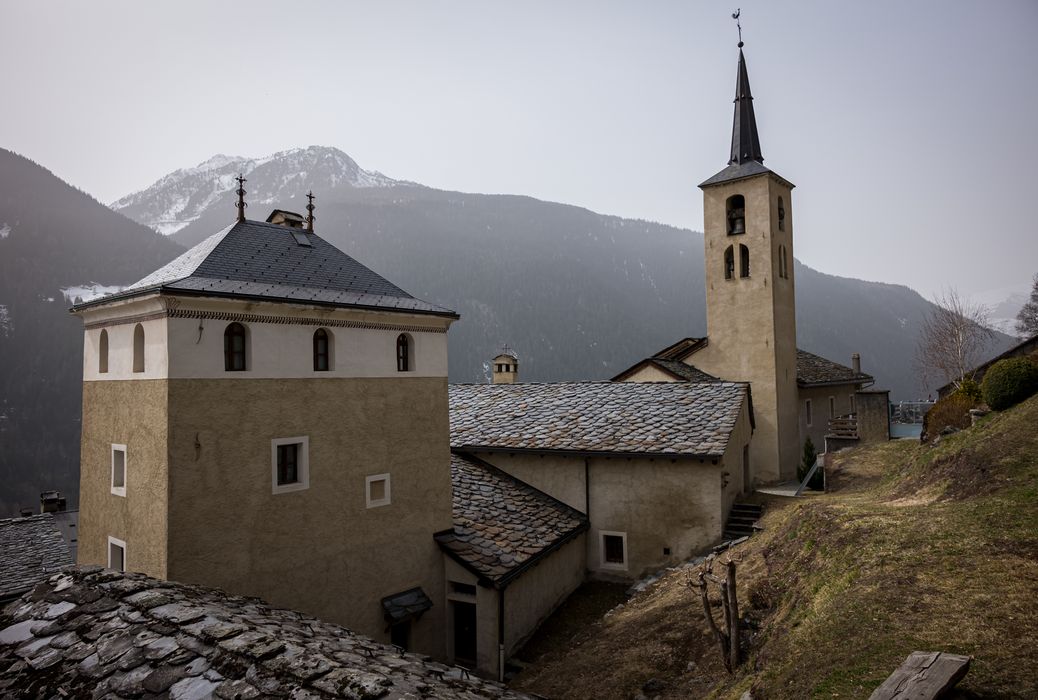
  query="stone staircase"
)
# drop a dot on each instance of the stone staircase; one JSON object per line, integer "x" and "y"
{"x": 741, "y": 518}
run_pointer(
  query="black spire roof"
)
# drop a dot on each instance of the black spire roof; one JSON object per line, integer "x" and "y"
{"x": 746, "y": 157}
{"x": 745, "y": 142}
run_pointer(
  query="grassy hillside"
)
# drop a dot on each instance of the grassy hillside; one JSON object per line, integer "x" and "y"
{"x": 915, "y": 548}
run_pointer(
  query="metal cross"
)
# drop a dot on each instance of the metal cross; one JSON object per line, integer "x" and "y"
{"x": 735, "y": 16}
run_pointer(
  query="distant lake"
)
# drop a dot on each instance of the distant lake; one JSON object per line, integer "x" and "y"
{"x": 905, "y": 430}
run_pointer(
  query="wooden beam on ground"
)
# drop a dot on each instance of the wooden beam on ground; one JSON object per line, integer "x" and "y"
{"x": 925, "y": 675}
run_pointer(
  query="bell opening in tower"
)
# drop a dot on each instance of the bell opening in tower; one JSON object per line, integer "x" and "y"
{"x": 736, "y": 208}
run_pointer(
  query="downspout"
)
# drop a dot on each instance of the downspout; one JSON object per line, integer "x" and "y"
{"x": 501, "y": 635}
{"x": 587, "y": 489}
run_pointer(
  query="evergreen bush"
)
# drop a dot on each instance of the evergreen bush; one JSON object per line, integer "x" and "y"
{"x": 1010, "y": 381}
{"x": 807, "y": 461}
{"x": 953, "y": 410}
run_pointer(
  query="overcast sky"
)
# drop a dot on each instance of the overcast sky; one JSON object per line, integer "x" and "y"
{"x": 909, "y": 128}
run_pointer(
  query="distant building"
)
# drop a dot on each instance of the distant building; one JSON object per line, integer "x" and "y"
{"x": 31, "y": 549}
{"x": 1022, "y": 349}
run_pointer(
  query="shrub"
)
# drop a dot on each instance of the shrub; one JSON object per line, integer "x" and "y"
{"x": 1010, "y": 381}
{"x": 953, "y": 410}
{"x": 971, "y": 390}
{"x": 806, "y": 462}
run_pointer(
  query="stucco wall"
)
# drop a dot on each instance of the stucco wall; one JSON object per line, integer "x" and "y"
{"x": 873, "y": 415}
{"x": 131, "y": 414}
{"x": 319, "y": 550}
{"x": 819, "y": 397}
{"x": 650, "y": 373}
{"x": 751, "y": 322}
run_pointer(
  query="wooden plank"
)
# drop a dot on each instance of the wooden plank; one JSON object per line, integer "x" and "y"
{"x": 925, "y": 675}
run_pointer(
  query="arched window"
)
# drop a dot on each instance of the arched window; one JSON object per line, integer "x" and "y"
{"x": 744, "y": 261}
{"x": 736, "y": 214}
{"x": 138, "y": 348}
{"x": 102, "y": 353}
{"x": 781, "y": 214}
{"x": 403, "y": 353}
{"x": 322, "y": 350}
{"x": 729, "y": 262}
{"x": 234, "y": 347}
{"x": 783, "y": 263}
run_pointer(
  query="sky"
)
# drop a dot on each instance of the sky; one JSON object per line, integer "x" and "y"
{"x": 909, "y": 128}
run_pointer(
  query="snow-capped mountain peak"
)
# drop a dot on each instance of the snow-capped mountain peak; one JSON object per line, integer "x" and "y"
{"x": 179, "y": 198}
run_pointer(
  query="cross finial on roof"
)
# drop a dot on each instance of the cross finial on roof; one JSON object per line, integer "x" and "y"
{"x": 735, "y": 16}
{"x": 241, "y": 197}
{"x": 310, "y": 211}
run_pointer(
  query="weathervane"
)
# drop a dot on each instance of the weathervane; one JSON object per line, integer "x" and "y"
{"x": 735, "y": 16}
{"x": 310, "y": 211}
{"x": 241, "y": 197}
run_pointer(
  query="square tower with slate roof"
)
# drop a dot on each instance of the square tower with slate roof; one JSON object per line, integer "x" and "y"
{"x": 268, "y": 416}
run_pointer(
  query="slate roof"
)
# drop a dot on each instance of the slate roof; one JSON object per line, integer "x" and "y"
{"x": 502, "y": 525}
{"x": 673, "y": 419}
{"x": 258, "y": 260}
{"x": 31, "y": 549}
{"x": 813, "y": 370}
{"x": 92, "y": 632}
{"x": 686, "y": 372}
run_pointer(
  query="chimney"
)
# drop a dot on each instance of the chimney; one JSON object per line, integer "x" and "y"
{"x": 856, "y": 363}
{"x": 52, "y": 502}
{"x": 506, "y": 367}
{"x": 288, "y": 219}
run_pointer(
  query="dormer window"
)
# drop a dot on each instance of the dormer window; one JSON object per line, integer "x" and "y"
{"x": 736, "y": 213}
{"x": 234, "y": 347}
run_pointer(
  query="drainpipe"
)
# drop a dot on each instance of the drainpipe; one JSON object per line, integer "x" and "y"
{"x": 501, "y": 636}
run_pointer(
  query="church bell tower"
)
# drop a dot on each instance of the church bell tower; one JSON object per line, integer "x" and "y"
{"x": 751, "y": 315}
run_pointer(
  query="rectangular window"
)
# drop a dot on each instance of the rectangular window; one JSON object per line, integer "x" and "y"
{"x": 378, "y": 490}
{"x": 832, "y": 407}
{"x": 116, "y": 554}
{"x": 290, "y": 464}
{"x": 119, "y": 470}
{"x": 614, "y": 550}
{"x": 807, "y": 412}
{"x": 463, "y": 588}
{"x": 851, "y": 397}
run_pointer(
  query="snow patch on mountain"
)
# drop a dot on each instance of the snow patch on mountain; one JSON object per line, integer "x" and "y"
{"x": 6, "y": 324}
{"x": 179, "y": 198}
{"x": 5, "y": 230}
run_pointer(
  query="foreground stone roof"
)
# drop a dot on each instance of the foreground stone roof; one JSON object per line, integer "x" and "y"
{"x": 813, "y": 369}
{"x": 30, "y": 550}
{"x": 679, "y": 418}
{"x": 96, "y": 632}
{"x": 503, "y": 525}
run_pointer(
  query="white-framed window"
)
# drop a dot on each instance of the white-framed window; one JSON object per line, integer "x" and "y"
{"x": 289, "y": 464}
{"x": 116, "y": 554}
{"x": 119, "y": 470}
{"x": 851, "y": 397}
{"x": 613, "y": 549}
{"x": 832, "y": 407}
{"x": 377, "y": 490}
{"x": 807, "y": 412}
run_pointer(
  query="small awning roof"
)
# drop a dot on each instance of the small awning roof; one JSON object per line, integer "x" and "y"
{"x": 404, "y": 606}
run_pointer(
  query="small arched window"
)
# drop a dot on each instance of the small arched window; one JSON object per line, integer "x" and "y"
{"x": 234, "y": 347}
{"x": 744, "y": 261}
{"x": 735, "y": 209}
{"x": 138, "y": 348}
{"x": 102, "y": 353}
{"x": 403, "y": 353}
{"x": 783, "y": 264}
{"x": 781, "y": 214}
{"x": 729, "y": 262}
{"x": 322, "y": 350}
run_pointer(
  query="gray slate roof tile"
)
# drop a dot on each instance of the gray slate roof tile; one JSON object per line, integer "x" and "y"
{"x": 31, "y": 549}
{"x": 502, "y": 524}
{"x": 814, "y": 369}
{"x": 255, "y": 650}
{"x": 676, "y": 418}
{"x": 257, "y": 260}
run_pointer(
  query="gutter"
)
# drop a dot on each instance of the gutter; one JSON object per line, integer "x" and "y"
{"x": 586, "y": 453}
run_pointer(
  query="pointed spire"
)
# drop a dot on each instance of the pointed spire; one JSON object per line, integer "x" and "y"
{"x": 745, "y": 142}
{"x": 310, "y": 211}
{"x": 241, "y": 197}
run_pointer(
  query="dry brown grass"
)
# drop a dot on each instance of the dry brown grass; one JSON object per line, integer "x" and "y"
{"x": 916, "y": 548}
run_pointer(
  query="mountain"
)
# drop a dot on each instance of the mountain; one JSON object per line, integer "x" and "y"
{"x": 579, "y": 295}
{"x": 179, "y": 198}
{"x": 56, "y": 242}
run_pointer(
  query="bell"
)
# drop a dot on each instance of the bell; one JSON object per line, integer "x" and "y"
{"x": 738, "y": 225}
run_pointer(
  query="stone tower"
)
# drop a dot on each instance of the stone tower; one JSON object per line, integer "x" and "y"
{"x": 750, "y": 303}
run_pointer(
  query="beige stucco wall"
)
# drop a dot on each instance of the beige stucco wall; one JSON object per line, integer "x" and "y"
{"x": 131, "y": 414}
{"x": 819, "y": 397}
{"x": 751, "y": 322}
{"x": 649, "y": 373}
{"x": 319, "y": 550}
{"x": 873, "y": 409}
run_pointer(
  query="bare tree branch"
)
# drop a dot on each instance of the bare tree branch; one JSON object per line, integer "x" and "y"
{"x": 952, "y": 339}
{"x": 1027, "y": 319}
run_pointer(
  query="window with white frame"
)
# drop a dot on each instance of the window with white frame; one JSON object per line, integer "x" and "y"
{"x": 613, "y": 547}
{"x": 116, "y": 554}
{"x": 807, "y": 412}
{"x": 377, "y": 491}
{"x": 851, "y": 397}
{"x": 290, "y": 464}
{"x": 119, "y": 470}
{"x": 832, "y": 407}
